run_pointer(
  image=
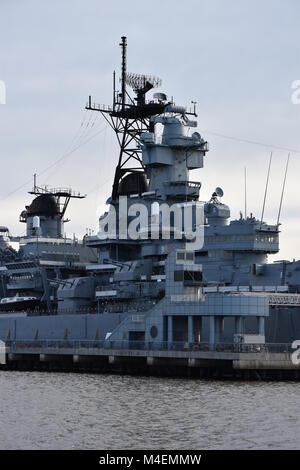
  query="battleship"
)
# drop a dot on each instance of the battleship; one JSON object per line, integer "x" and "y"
{"x": 151, "y": 299}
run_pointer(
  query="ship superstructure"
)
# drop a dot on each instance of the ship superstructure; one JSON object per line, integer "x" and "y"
{"x": 46, "y": 256}
{"x": 147, "y": 287}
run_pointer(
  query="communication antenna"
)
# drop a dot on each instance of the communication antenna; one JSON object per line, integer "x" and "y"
{"x": 219, "y": 192}
{"x": 266, "y": 190}
{"x": 114, "y": 90}
{"x": 123, "y": 45}
{"x": 245, "y": 181}
{"x": 194, "y": 103}
{"x": 283, "y": 188}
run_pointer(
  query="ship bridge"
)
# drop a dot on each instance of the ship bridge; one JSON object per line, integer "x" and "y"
{"x": 244, "y": 235}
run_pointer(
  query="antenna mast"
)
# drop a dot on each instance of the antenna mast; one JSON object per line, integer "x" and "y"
{"x": 123, "y": 45}
{"x": 266, "y": 190}
{"x": 129, "y": 117}
{"x": 283, "y": 188}
{"x": 245, "y": 192}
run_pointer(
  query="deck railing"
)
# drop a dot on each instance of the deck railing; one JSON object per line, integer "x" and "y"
{"x": 22, "y": 344}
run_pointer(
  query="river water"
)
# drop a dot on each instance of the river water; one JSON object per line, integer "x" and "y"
{"x": 40, "y": 410}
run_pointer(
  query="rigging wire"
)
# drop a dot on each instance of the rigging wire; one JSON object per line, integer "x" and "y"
{"x": 97, "y": 186}
{"x": 56, "y": 162}
{"x": 82, "y": 131}
{"x": 78, "y": 130}
{"x": 248, "y": 141}
{"x": 75, "y": 139}
{"x": 72, "y": 151}
{"x": 69, "y": 146}
{"x": 83, "y": 136}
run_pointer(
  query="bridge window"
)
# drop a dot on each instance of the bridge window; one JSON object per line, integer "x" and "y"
{"x": 193, "y": 276}
{"x": 178, "y": 276}
{"x": 180, "y": 255}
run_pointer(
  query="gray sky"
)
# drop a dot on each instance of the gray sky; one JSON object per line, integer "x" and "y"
{"x": 236, "y": 58}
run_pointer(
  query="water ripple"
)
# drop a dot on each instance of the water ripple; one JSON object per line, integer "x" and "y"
{"x": 85, "y": 411}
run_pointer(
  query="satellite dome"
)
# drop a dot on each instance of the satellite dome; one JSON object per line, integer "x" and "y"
{"x": 134, "y": 183}
{"x": 43, "y": 205}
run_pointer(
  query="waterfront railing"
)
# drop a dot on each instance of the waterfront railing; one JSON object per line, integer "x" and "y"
{"x": 21, "y": 344}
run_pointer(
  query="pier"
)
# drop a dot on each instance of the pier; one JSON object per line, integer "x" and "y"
{"x": 252, "y": 361}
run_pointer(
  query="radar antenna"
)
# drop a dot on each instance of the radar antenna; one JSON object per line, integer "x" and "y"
{"x": 218, "y": 193}
{"x": 61, "y": 195}
{"x": 141, "y": 84}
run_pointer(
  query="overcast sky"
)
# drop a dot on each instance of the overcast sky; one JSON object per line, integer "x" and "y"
{"x": 236, "y": 58}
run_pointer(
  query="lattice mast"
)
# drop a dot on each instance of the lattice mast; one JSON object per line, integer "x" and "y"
{"x": 129, "y": 117}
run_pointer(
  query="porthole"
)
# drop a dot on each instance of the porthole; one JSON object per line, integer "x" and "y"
{"x": 153, "y": 331}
